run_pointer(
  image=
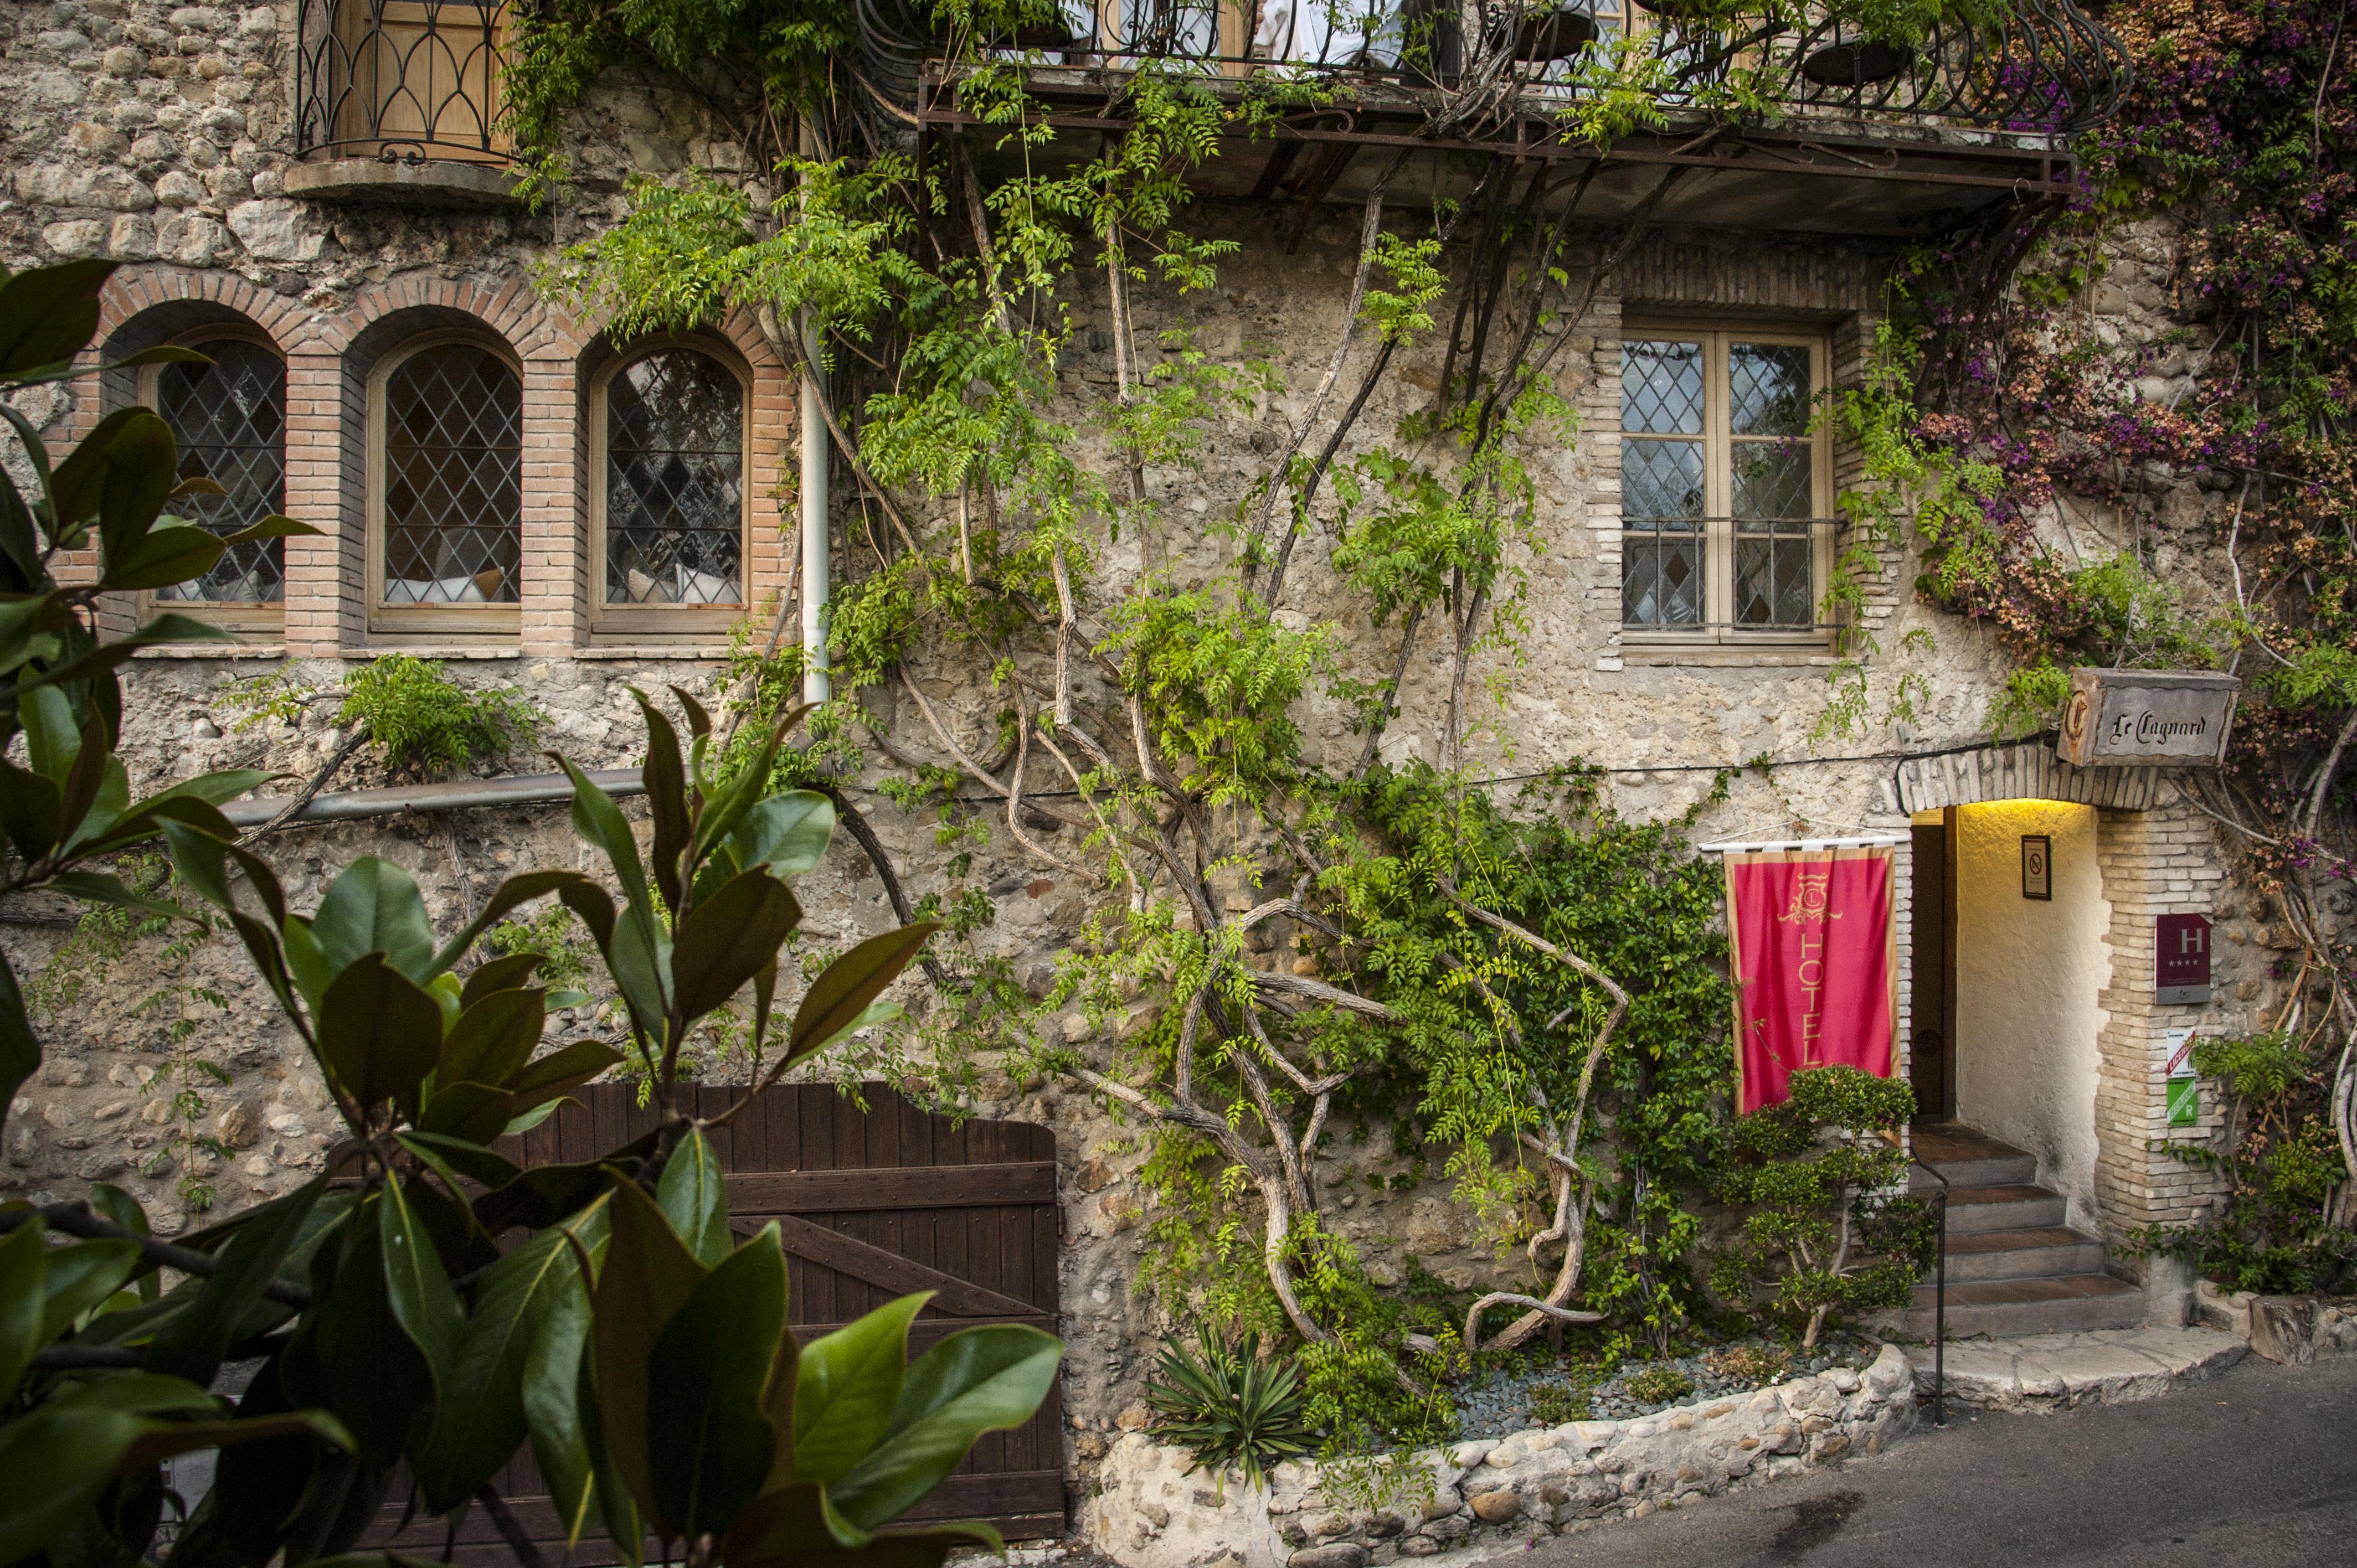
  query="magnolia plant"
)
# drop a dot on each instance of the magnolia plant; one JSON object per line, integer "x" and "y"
{"x": 416, "y": 1317}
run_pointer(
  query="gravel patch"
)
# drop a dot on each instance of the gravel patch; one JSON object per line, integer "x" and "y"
{"x": 1500, "y": 1402}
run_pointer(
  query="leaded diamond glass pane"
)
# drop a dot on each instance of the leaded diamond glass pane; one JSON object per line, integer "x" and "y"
{"x": 675, "y": 482}
{"x": 453, "y": 478}
{"x": 1768, "y": 389}
{"x": 1661, "y": 478}
{"x": 1772, "y": 585}
{"x": 1661, "y": 578}
{"x": 1661, "y": 387}
{"x": 1772, "y": 478}
{"x": 230, "y": 418}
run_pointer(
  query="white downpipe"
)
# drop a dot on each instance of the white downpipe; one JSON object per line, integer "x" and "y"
{"x": 815, "y": 586}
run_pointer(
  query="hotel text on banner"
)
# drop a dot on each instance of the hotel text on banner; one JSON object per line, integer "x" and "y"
{"x": 1816, "y": 965}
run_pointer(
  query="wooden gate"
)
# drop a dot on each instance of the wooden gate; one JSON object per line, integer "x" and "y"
{"x": 870, "y": 1205}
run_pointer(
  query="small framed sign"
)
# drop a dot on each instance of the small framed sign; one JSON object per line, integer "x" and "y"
{"x": 2038, "y": 867}
{"x": 2180, "y": 959}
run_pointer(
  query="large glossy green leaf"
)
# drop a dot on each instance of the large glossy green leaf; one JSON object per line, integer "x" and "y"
{"x": 417, "y": 1289}
{"x": 726, "y": 810}
{"x": 726, "y": 940}
{"x": 354, "y": 1354}
{"x": 693, "y": 1194}
{"x": 788, "y": 833}
{"x": 138, "y": 467}
{"x": 80, "y": 1277}
{"x": 374, "y": 906}
{"x": 626, "y": 1525}
{"x": 506, "y": 898}
{"x": 123, "y": 1209}
{"x": 24, "y": 1293}
{"x": 28, "y": 811}
{"x": 509, "y": 972}
{"x": 478, "y": 1164}
{"x": 666, "y": 786}
{"x": 379, "y": 1033}
{"x": 545, "y": 1195}
{"x": 839, "y": 995}
{"x": 848, "y": 1387}
{"x": 637, "y": 952}
{"x": 20, "y": 1048}
{"x": 564, "y": 1069}
{"x": 555, "y": 1368}
{"x": 797, "y": 1525}
{"x": 53, "y": 1464}
{"x": 191, "y": 1344}
{"x": 708, "y": 1440}
{"x": 647, "y": 1277}
{"x": 494, "y": 1037}
{"x": 979, "y": 1380}
{"x": 174, "y": 550}
{"x": 48, "y": 315}
{"x": 475, "y": 1435}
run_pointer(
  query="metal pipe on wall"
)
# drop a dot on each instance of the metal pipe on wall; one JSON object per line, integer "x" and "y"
{"x": 816, "y": 587}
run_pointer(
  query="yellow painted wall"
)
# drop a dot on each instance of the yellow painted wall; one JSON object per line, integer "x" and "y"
{"x": 2027, "y": 977}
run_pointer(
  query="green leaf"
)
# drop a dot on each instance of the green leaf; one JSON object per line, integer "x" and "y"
{"x": 379, "y": 1033}
{"x": 727, "y": 938}
{"x": 666, "y": 786}
{"x": 24, "y": 1294}
{"x": 374, "y": 906}
{"x": 977, "y": 1380}
{"x": 518, "y": 1126}
{"x": 28, "y": 811}
{"x": 694, "y": 1196}
{"x": 723, "y": 811}
{"x": 80, "y": 1277}
{"x": 417, "y": 1290}
{"x": 111, "y": 1202}
{"x": 494, "y": 1037}
{"x": 848, "y": 1386}
{"x": 20, "y": 1049}
{"x": 788, "y": 833}
{"x": 506, "y": 898}
{"x": 173, "y": 551}
{"x": 708, "y": 1441}
{"x": 134, "y": 468}
{"x": 472, "y": 1161}
{"x": 474, "y": 1436}
{"x": 506, "y": 972}
{"x": 48, "y": 315}
{"x": 272, "y": 527}
{"x": 191, "y": 1344}
{"x": 554, "y": 1373}
{"x": 838, "y": 998}
{"x": 561, "y": 1071}
{"x": 54, "y": 1463}
{"x": 473, "y": 1112}
{"x": 647, "y": 1277}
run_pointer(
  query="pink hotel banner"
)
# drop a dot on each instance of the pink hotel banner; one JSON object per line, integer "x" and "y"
{"x": 1815, "y": 940}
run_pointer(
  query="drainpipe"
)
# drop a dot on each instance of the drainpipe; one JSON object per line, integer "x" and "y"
{"x": 815, "y": 586}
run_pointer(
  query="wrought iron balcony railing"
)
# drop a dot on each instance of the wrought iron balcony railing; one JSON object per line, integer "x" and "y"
{"x": 404, "y": 80}
{"x": 2047, "y": 69}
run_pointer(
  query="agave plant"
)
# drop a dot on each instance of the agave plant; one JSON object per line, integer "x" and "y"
{"x": 1227, "y": 1407}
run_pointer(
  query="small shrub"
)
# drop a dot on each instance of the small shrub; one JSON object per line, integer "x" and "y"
{"x": 1660, "y": 1385}
{"x": 1552, "y": 1404}
{"x": 1751, "y": 1364}
{"x": 422, "y": 719}
{"x": 1825, "y": 1230}
{"x": 1227, "y": 1408}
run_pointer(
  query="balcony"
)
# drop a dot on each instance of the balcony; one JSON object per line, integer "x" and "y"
{"x": 401, "y": 101}
{"x": 1842, "y": 131}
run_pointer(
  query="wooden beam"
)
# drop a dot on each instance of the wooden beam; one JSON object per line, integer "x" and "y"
{"x": 890, "y": 1187}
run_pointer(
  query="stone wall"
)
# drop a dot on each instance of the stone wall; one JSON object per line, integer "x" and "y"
{"x": 160, "y": 135}
{"x": 1152, "y": 1509}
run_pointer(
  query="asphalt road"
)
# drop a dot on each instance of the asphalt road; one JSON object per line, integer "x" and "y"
{"x": 2254, "y": 1469}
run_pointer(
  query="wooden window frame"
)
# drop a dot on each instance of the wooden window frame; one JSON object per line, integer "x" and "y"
{"x": 391, "y": 622}
{"x": 241, "y": 619}
{"x": 1718, "y": 629}
{"x": 659, "y": 624}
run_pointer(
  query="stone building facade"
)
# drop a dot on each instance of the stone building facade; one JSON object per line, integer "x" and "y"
{"x": 165, "y": 136}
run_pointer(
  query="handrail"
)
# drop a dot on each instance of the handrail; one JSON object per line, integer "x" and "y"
{"x": 2047, "y": 69}
{"x": 1939, "y": 1291}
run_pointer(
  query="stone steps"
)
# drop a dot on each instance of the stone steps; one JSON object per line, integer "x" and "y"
{"x": 2014, "y": 1267}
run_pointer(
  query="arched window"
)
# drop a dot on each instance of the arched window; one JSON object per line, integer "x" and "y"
{"x": 230, "y": 419}
{"x": 446, "y": 488}
{"x": 668, "y": 512}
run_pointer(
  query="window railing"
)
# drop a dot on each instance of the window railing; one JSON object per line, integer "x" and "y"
{"x": 2047, "y": 69}
{"x": 404, "y": 80}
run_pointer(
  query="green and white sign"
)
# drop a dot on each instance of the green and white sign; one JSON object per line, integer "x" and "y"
{"x": 2184, "y": 1084}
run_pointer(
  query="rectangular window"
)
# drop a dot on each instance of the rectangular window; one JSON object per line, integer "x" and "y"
{"x": 1725, "y": 486}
